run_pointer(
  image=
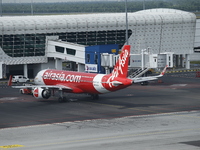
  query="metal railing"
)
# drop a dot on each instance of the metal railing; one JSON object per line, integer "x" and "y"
{"x": 138, "y": 72}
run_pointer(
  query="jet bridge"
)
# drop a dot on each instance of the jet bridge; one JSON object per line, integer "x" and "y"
{"x": 62, "y": 50}
{"x": 140, "y": 63}
{"x": 86, "y": 57}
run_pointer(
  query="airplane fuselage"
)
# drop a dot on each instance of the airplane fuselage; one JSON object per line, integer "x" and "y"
{"x": 80, "y": 82}
{"x": 49, "y": 80}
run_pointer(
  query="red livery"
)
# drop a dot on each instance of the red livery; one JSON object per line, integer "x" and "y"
{"x": 49, "y": 80}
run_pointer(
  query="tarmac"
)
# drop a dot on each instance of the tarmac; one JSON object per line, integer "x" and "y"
{"x": 163, "y": 115}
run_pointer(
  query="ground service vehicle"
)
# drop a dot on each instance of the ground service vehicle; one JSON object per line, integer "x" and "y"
{"x": 19, "y": 78}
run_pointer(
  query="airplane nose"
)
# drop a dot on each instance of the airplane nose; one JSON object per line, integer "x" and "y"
{"x": 35, "y": 79}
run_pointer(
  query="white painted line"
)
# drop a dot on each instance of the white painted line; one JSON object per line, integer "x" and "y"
{"x": 178, "y": 84}
{"x": 9, "y": 98}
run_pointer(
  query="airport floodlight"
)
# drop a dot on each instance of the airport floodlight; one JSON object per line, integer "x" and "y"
{"x": 126, "y": 22}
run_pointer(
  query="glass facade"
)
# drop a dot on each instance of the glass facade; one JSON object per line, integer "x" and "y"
{"x": 34, "y": 44}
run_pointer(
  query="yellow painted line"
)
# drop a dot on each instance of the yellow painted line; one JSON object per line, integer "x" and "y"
{"x": 11, "y": 146}
{"x": 138, "y": 109}
{"x": 175, "y": 71}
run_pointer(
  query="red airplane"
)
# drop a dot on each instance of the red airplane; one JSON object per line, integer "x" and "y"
{"x": 49, "y": 80}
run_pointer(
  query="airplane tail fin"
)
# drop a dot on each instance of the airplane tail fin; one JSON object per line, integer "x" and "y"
{"x": 121, "y": 67}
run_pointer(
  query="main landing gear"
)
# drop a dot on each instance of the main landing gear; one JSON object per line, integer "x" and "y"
{"x": 95, "y": 96}
{"x": 62, "y": 99}
{"x": 144, "y": 83}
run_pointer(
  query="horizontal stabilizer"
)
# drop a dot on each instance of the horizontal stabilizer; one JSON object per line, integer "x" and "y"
{"x": 114, "y": 83}
{"x": 142, "y": 79}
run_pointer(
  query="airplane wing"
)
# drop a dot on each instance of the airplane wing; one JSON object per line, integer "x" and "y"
{"x": 142, "y": 79}
{"x": 43, "y": 86}
{"x": 68, "y": 87}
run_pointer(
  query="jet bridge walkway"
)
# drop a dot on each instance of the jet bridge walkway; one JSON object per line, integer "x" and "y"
{"x": 138, "y": 72}
{"x": 66, "y": 51}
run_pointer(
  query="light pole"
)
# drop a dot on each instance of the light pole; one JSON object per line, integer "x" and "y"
{"x": 126, "y": 22}
{"x": 1, "y": 8}
{"x": 31, "y": 7}
{"x": 143, "y": 4}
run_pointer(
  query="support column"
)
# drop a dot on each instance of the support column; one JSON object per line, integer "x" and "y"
{"x": 187, "y": 61}
{"x": 181, "y": 61}
{"x": 58, "y": 64}
{"x": 81, "y": 67}
{"x": 25, "y": 70}
{"x": 1, "y": 70}
{"x": 177, "y": 60}
{"x": 142, "y": 59}
{"x": 107, "y": 70}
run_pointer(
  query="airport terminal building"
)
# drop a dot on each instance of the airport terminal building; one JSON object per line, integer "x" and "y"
{"x": 23, "y": 39}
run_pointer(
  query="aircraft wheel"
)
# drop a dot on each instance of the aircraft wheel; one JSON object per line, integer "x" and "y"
{"x": 144, "y": 83}
{"x": 95, "y": 96}
{"x": 60, "y": 99}
{"x": 21, "y": 92}
{"x": 65, "y": 99}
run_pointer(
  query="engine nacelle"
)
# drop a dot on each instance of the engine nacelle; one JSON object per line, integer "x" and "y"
{"x": 41, "y": 93}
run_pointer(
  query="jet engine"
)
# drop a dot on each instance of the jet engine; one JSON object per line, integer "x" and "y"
{"x": 41, "y": 93}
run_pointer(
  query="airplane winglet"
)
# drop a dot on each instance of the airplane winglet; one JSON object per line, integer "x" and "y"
{"x": 163, "y": 72}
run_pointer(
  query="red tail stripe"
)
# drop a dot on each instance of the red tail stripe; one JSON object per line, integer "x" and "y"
{"x": 121, "y": 67}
